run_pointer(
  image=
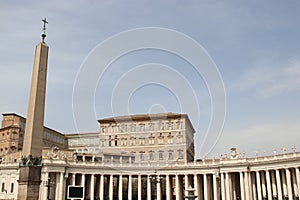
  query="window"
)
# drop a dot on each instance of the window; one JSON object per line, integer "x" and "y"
{"x": 132, "y": 141}
{"x": 179, "y": 125}
{"x": 151, "y": 126}
{"x": 151, "y": 139}
{"x": 103, "y": 129}
{"x": 160, "y": 139}
{"x": 123, "y": 141}
{"x": 151, "y": 155}
{"x": 179, "y": 137}
{"x": 116, "y": 129}
{"x": 132, "y": 127}
{"x": 110, "y": 129}
{"x": 170, "y": 125}
{"x": 170, "y": 138}
{"x": 14, "y": 135}
{"x": 3, "y": 187}
{"x": 116, "y": 140}
{"x": 142, "y": 141}
{"x": 141, "y": 155}
{"x": 170, "y": 155}
{"x": 109, "y": 141}
{"x": 12, "y": 187}
{"x": 124, "y": 128}
{"x": 102, "y": 143}
{"x": 160, "y": 126}
{"x": 180, "y": 154}
{"x": 161, "y": 155}
{"x": 142, "y": 127}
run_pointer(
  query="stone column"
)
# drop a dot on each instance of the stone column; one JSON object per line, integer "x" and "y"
{"x": 139, "y": 187}
{"x": 83, "y": 180}
{"x": 111, "y": 187}
{"x": 45, "y": 191}
{"x": 61, "y": 186}
{"x": 263, "y": 185}
{"x": 57, "y": 186}
{"x": 120, "y": 187}
{"x": 200, "y": 186}
{"x": 205, "y": 186}
{"x": 278, "y": 183}
{"x": 101, "y": 187}
{"x": 228, "y": 193}
{"x": 284, "y": 186}
{"x": 253, "y": 183}
{"x": 197, "y": 186}
{"x": 92, "y": 187}
{"x": 178, "y": 197}
{"x": 223, "y": 193}
{"x": 298, "y": 179}
{"x": 64, "y": 191}
{"x": 73, "y": 179}
{"x": 248, "y": 193}
{"x": 274, "y": 189}
{"x": 242, "y": 184}
{"x": 130, "y": 187}
{"x": 168, "y": 188}
{"x": 288, "y": 183}
{"x": 215, "y": 187}
{"x": 158, "y": 189}
{"x": 269, "y": 189}
{"x": 258, "y": 183}
{"x": 149, "y": 188}
{"x": 186, "y": 184}
{"x": 233, "y": 186}
{"x": 295, "y": 188}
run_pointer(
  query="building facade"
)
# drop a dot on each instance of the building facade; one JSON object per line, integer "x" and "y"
{"x": 165, "y": 137}
{"x": 262, "y": 177}
{"x": 12, "y": 136}
{"x": 109, "y": 169}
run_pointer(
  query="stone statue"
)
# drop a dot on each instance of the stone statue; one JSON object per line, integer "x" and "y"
{"x": 274, "y": 152}
{"x": 54, "y": 153}
{"x": 233, "y": 153}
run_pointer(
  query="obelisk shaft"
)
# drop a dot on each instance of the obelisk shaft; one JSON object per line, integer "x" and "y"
{"x": 33, "y": 138}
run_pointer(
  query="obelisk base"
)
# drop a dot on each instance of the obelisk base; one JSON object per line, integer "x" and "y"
{"x": 29, "y": 182}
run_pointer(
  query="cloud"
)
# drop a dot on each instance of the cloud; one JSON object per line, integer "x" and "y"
{"x": 267, "y": 79}
{"x": 262, "y": 137}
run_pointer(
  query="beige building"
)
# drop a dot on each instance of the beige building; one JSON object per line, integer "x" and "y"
{"x": 165, "y": 137}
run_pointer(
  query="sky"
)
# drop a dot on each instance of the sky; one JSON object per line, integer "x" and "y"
{"x": 252, "y": 70}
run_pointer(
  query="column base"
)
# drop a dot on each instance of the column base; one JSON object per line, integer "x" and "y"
{"x": 29, "y": 182}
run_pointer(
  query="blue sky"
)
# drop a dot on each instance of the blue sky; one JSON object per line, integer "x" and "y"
{"x": 254, "y": 44}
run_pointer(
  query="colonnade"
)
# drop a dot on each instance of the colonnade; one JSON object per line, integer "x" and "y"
{"x": 217, "y": 184}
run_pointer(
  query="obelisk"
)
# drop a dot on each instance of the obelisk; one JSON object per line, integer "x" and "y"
{"x": 30, "y": 172}
{"x": 33, "y": 138}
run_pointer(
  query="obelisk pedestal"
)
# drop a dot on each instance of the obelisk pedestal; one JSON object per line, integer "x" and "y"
{"x": 30, "y": 171}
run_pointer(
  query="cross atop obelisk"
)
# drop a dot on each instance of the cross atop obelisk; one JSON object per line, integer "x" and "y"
{"x": 44, "y": 29}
